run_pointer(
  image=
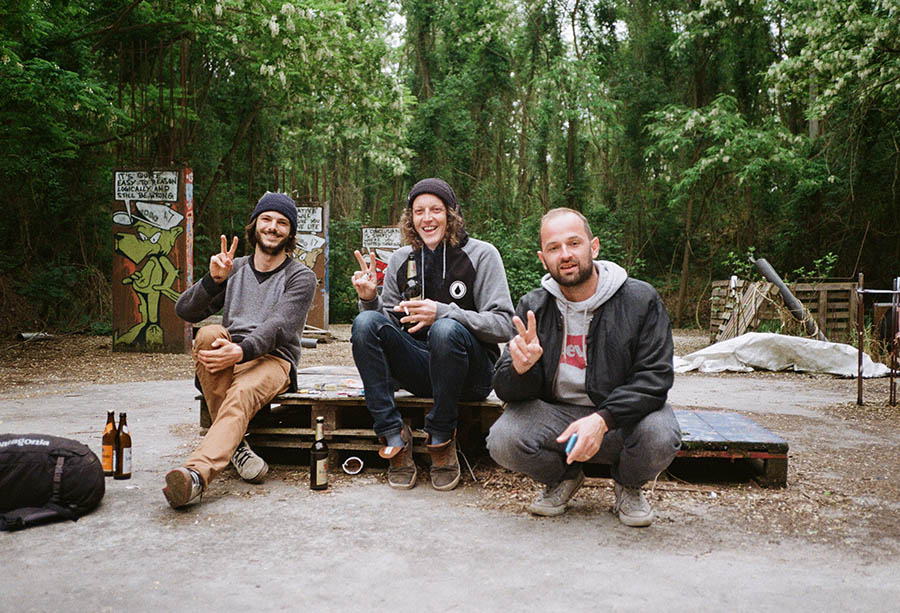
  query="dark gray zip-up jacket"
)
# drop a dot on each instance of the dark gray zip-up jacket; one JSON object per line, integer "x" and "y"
{"x": 473, "y": 290}
{"x": 629, "y": 354}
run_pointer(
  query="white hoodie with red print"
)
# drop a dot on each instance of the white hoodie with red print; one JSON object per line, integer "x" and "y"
{"x": 569, "y": 384}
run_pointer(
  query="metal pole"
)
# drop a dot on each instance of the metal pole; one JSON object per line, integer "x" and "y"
{"x": 894, "y": 331}
{"x": 859, "y": 340}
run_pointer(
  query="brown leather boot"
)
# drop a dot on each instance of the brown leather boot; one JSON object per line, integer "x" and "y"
{"x": 444, "y": 465}
{"x": 402, "y": 472}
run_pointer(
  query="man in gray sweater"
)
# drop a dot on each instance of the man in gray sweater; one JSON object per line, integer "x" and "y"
{"x": 253, "y": 356}
{"x": 586, "y": 378}
{"x": 433, "y": 330}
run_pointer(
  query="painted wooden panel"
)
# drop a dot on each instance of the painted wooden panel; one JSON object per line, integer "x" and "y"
{"x": 381, "y": 242}
{"x": 312, "y": 250}
{"x": 153, "y": 258}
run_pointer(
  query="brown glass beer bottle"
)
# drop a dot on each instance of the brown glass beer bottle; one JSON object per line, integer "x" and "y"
{"x": 108, "y": 444}
{"x": 123, "y": 449}
{"x": 413, "y": 290}
{"x": 318, "y": 458}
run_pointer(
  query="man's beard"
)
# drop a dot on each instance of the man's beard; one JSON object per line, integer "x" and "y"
{"x": 585, "y": 270}
{"x": 278, "y": 248}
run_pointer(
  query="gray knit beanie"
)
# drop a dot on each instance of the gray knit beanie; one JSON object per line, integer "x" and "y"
{"x": 435, "y": 186}
{"x": 280, "y": 203}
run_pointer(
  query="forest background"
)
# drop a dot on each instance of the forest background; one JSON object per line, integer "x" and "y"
{"x": 692, "y": 133}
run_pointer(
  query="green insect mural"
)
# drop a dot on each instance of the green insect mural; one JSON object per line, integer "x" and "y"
{"x": 156, "y": 228}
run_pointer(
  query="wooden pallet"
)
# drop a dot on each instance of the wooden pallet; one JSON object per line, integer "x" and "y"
{"x": 289, "y": 423}
{"x": 833, "y": 305}
{"x": 745, "y": 311}
{"x": 333, "y": 393}
{"x": 715, "y": 434}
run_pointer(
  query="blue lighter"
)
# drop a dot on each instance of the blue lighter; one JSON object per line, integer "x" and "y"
{"x": 572, "y": 440}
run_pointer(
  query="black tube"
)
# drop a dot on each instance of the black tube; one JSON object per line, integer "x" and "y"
{"x": 790, "y": 301}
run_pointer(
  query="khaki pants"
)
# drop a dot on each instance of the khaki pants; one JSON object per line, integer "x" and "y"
{"x": 233, "y": 396}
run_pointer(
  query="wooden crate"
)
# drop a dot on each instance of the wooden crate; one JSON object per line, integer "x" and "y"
{"x": 832, "y": 305}
{"x": 722, "y": 434}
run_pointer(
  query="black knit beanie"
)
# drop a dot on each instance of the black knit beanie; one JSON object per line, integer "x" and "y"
{"x": 280, "y": 203}
{"x": 438, "y": 187}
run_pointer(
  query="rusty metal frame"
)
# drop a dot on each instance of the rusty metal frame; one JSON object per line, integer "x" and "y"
{"x": 894, "y": 332}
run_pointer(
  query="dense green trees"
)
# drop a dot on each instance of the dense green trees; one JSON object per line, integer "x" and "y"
{"x": 689, "y": 131}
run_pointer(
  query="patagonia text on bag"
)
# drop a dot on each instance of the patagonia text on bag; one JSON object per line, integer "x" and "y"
{"x": 46, "y": 478}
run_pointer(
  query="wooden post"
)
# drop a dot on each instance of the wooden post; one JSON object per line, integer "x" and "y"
{"x": 822, "y": 315}
{"x": 312, "y": 250}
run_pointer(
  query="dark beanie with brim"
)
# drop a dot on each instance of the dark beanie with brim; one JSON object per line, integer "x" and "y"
{"x": 280, "y": 203}
{"x": 436, "y": 187}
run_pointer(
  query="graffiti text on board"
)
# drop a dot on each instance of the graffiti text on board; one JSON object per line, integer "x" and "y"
{"x": 389, "y": 237}
{"x": 309, "y": 219}
{"x": 140, "y": 185}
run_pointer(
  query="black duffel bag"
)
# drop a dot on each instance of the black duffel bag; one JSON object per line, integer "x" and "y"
{"x": 46, "y": 478}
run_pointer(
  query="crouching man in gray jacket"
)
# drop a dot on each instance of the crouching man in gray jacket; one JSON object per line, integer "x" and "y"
{"x": 592, "y": 358}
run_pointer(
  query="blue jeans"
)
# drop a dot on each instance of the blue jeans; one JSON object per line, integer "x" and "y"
{"x": 450, "y": 366}
{"x": 523, "y": 439}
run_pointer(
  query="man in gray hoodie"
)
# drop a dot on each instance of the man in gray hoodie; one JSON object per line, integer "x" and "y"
{"x": 592, "y": 362}
{"x": 433, "y": 330}
{"x": 253, "y": 356}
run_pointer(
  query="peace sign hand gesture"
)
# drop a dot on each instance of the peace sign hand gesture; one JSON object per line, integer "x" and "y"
{"x": 525, "y": 348}
{"x": 220, "y": 264}
{"x": 365, "y": 280}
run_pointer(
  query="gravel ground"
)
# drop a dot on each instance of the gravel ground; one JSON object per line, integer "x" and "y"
{"x": 843, "y": 490}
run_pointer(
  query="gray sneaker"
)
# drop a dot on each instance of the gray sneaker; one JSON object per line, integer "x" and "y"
{"x": 553, "y": 500}
{"x": 250, "y": 466}
{"x": 632, "y": 507}
{"x": 183, "y": 486}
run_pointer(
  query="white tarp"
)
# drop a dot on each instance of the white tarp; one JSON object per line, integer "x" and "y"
{"x": 767, "y": 351}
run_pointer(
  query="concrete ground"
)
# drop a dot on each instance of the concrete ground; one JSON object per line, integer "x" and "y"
{"x": 363, "y": 546}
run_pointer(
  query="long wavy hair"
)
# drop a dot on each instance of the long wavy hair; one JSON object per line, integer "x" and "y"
{"x": 454, "y": 234}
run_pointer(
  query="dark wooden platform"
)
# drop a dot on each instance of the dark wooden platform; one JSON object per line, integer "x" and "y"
{"x": 720, "y": 434}
{"x": 335, "y": 393}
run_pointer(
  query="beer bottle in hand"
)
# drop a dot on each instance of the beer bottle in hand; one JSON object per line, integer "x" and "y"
{"x": 123, "y": 450}
{"x": 413, "y": 289}
{"x": 108, "y": 444}
{"x": 318, "y": 458}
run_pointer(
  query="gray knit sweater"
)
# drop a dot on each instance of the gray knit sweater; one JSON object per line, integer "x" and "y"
{"x": 263, "y": 311}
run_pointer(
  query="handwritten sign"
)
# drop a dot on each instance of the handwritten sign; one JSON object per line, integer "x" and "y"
{"x": 310, "y": 242}
{"x": 159, "y": 185}
{"x": 309, "y": 219}
{"x": 390, "y": 238}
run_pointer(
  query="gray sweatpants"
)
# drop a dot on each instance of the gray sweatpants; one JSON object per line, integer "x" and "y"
{"x": 523, "y": 439}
